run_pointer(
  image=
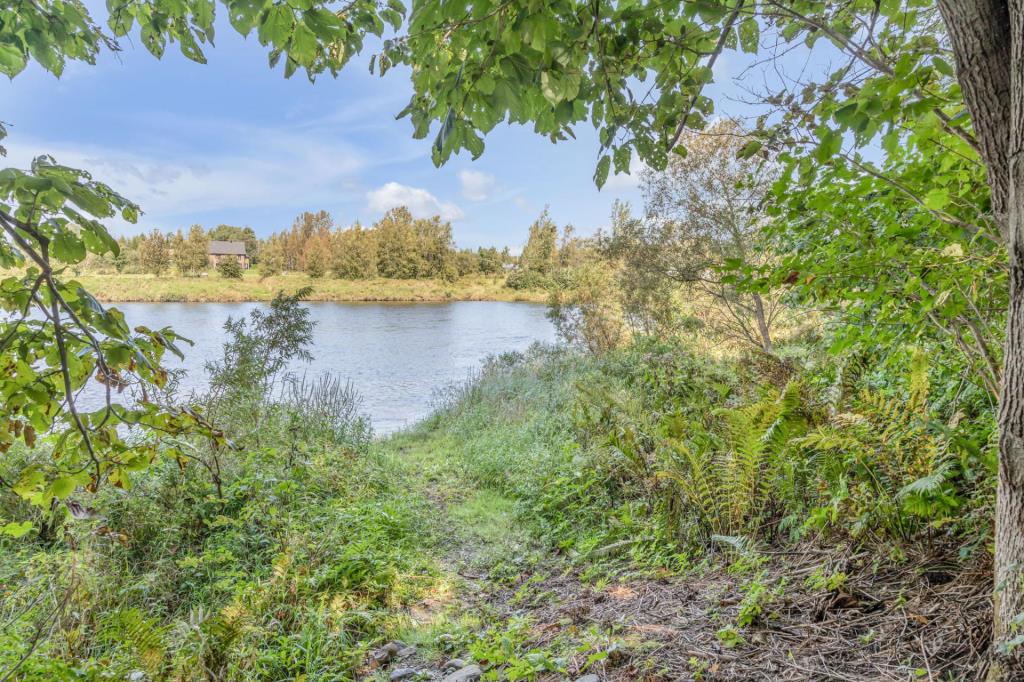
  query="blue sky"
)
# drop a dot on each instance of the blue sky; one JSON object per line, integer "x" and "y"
{"x": 233, "y": 142}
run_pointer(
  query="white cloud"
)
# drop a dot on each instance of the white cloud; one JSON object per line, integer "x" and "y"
{"x": 476, "y": 185}
{"x": 419, "y": 201}
{"x": 255, "y": 168}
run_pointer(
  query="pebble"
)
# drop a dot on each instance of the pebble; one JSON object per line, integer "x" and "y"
{"x": 393, "y": 647}
{"x": 454, "y": 664}
{"x": 405, "y": 653}
{"x": 387, "y": 652}
{"x": 589, "y": 678}
{"x": 402, "y": 674}
{"x": 470, "y": 673}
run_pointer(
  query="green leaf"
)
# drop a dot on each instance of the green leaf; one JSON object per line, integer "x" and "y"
{"x": 243, "y": 14}
{"x": 304, "y": 45}
{"x": 943, "y": 67}
{"x": 749, "y": 149}
{"x": 277, "y": 26}
{"x": 750, "y": 34}
{"x": 15, "y": 529}
{"x": 551, "y": 87}
{"x": 937, "y": 199}
{"x": 62, "y": 487}
{"x": 68, "y": 248}
{"x": 12, "y": 60}
{"x": 601, "y": 173}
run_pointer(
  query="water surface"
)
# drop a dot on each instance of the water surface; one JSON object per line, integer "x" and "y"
{"x": 395, "y": 354}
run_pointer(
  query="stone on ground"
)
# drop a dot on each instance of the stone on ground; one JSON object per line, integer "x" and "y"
{"x": 470, "y": 673}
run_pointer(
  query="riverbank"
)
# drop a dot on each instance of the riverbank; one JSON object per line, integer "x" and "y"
{"x": 520, "y": 533}
{"x": 120, "y": 288}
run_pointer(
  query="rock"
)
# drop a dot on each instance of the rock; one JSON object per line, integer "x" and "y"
{"x": 454, "y": 664}
{"x": 402, "y": 674}
{"x": 469, "y": 673}
{"x": 387, "y": 653}
{"x": 589, "y": 678}
{"x": 405, "y": 653}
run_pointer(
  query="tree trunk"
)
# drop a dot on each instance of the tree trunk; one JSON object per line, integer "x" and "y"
{"x": 988, "y": 40}
{"x": 762, "y": 325}
{"x": 1009, "y": 559}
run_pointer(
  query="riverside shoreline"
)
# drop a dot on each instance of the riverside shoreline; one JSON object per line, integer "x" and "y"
{"x": 115, "y": 288}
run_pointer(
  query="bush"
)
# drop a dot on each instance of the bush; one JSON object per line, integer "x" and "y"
{"x": 229, "y": 268}
{"x": 274, "y": 559}
{"x": 520, "y": 279}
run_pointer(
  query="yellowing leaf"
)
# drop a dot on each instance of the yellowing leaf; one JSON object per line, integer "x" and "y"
{"x": 953, "y": 250}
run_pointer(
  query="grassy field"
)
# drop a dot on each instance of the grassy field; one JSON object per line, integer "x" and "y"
{"x": 147, "y": 288}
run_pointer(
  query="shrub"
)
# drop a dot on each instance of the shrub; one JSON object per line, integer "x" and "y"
{"x": 229, "y": 268}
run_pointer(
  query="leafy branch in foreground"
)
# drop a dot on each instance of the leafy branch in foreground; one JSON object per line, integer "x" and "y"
{"x": 57, "y": 342}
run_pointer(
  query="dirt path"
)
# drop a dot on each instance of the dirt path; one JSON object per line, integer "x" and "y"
{"x": 508, "y": 607}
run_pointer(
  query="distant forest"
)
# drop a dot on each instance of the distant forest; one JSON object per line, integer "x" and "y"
{"x": 397, "y": 246}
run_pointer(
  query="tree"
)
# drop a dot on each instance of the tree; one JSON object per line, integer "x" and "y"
{"x": 398, "y": 254}
{"x": 987, "y": 37}
{"x": 704, "y": 215}
{"x": 467, "y": 262}
{"x": 317, "y": 255}
{"x": 647, "y": 295}
{"x": 296, "y": 243}
{"x": 436, "y": 248}
{"x": 228, "y": 268}
{"x": 56, "y": 338}
{"x": 539, "y": 259}
{"x": 559, "y": 64}
{"x": 154, "y": 253}
{"x": 491, "y": 261}
{"x": 190, "y": 255}
{"x": 354, "y": 253}
{"x": 580, "y": 308}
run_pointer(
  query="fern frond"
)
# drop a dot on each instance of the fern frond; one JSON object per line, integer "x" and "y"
{"x": 131, "y": 629}
{"x": 928, "y": 484}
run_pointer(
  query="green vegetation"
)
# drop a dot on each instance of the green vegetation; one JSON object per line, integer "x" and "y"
{"x": 254, "y": 286}
{"x": 229, "y": 269}
{"x": 552, "y": 479}
{"x": 399, "y": 258}
{"x": 398, "y": 246}
{"x": 877, "y": 440}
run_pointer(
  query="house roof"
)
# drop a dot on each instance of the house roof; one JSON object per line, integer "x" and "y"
{"x": 218, "y": 248}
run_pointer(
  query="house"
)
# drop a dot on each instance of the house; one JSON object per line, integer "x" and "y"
{"x": 219, "y": 251}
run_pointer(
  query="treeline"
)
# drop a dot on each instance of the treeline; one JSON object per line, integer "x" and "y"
{"x": 398, "y": 246}
{"x": 159, "y": 253}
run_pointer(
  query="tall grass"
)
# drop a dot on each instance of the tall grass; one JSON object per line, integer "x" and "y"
{"x": 662, "y": 450}
{"x": 148, "y": 288}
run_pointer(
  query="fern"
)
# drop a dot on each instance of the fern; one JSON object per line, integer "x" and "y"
{"x": 928, "y": 484}
{"x": 132, "y": 630}
{"x": 732, "y": 478}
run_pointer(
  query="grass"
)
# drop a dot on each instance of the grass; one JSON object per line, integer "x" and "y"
{"x": 120, "y": 288}
{"x": 482, "y": 533}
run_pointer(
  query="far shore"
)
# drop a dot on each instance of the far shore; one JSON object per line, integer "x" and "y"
{"x": 121, "y": 288}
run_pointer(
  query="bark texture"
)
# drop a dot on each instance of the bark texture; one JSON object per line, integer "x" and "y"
{"x": 988, "y": 40}
{"x": 980, "y": 33}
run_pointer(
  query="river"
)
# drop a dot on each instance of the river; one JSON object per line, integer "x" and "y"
{"x": 397, "y": 355}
